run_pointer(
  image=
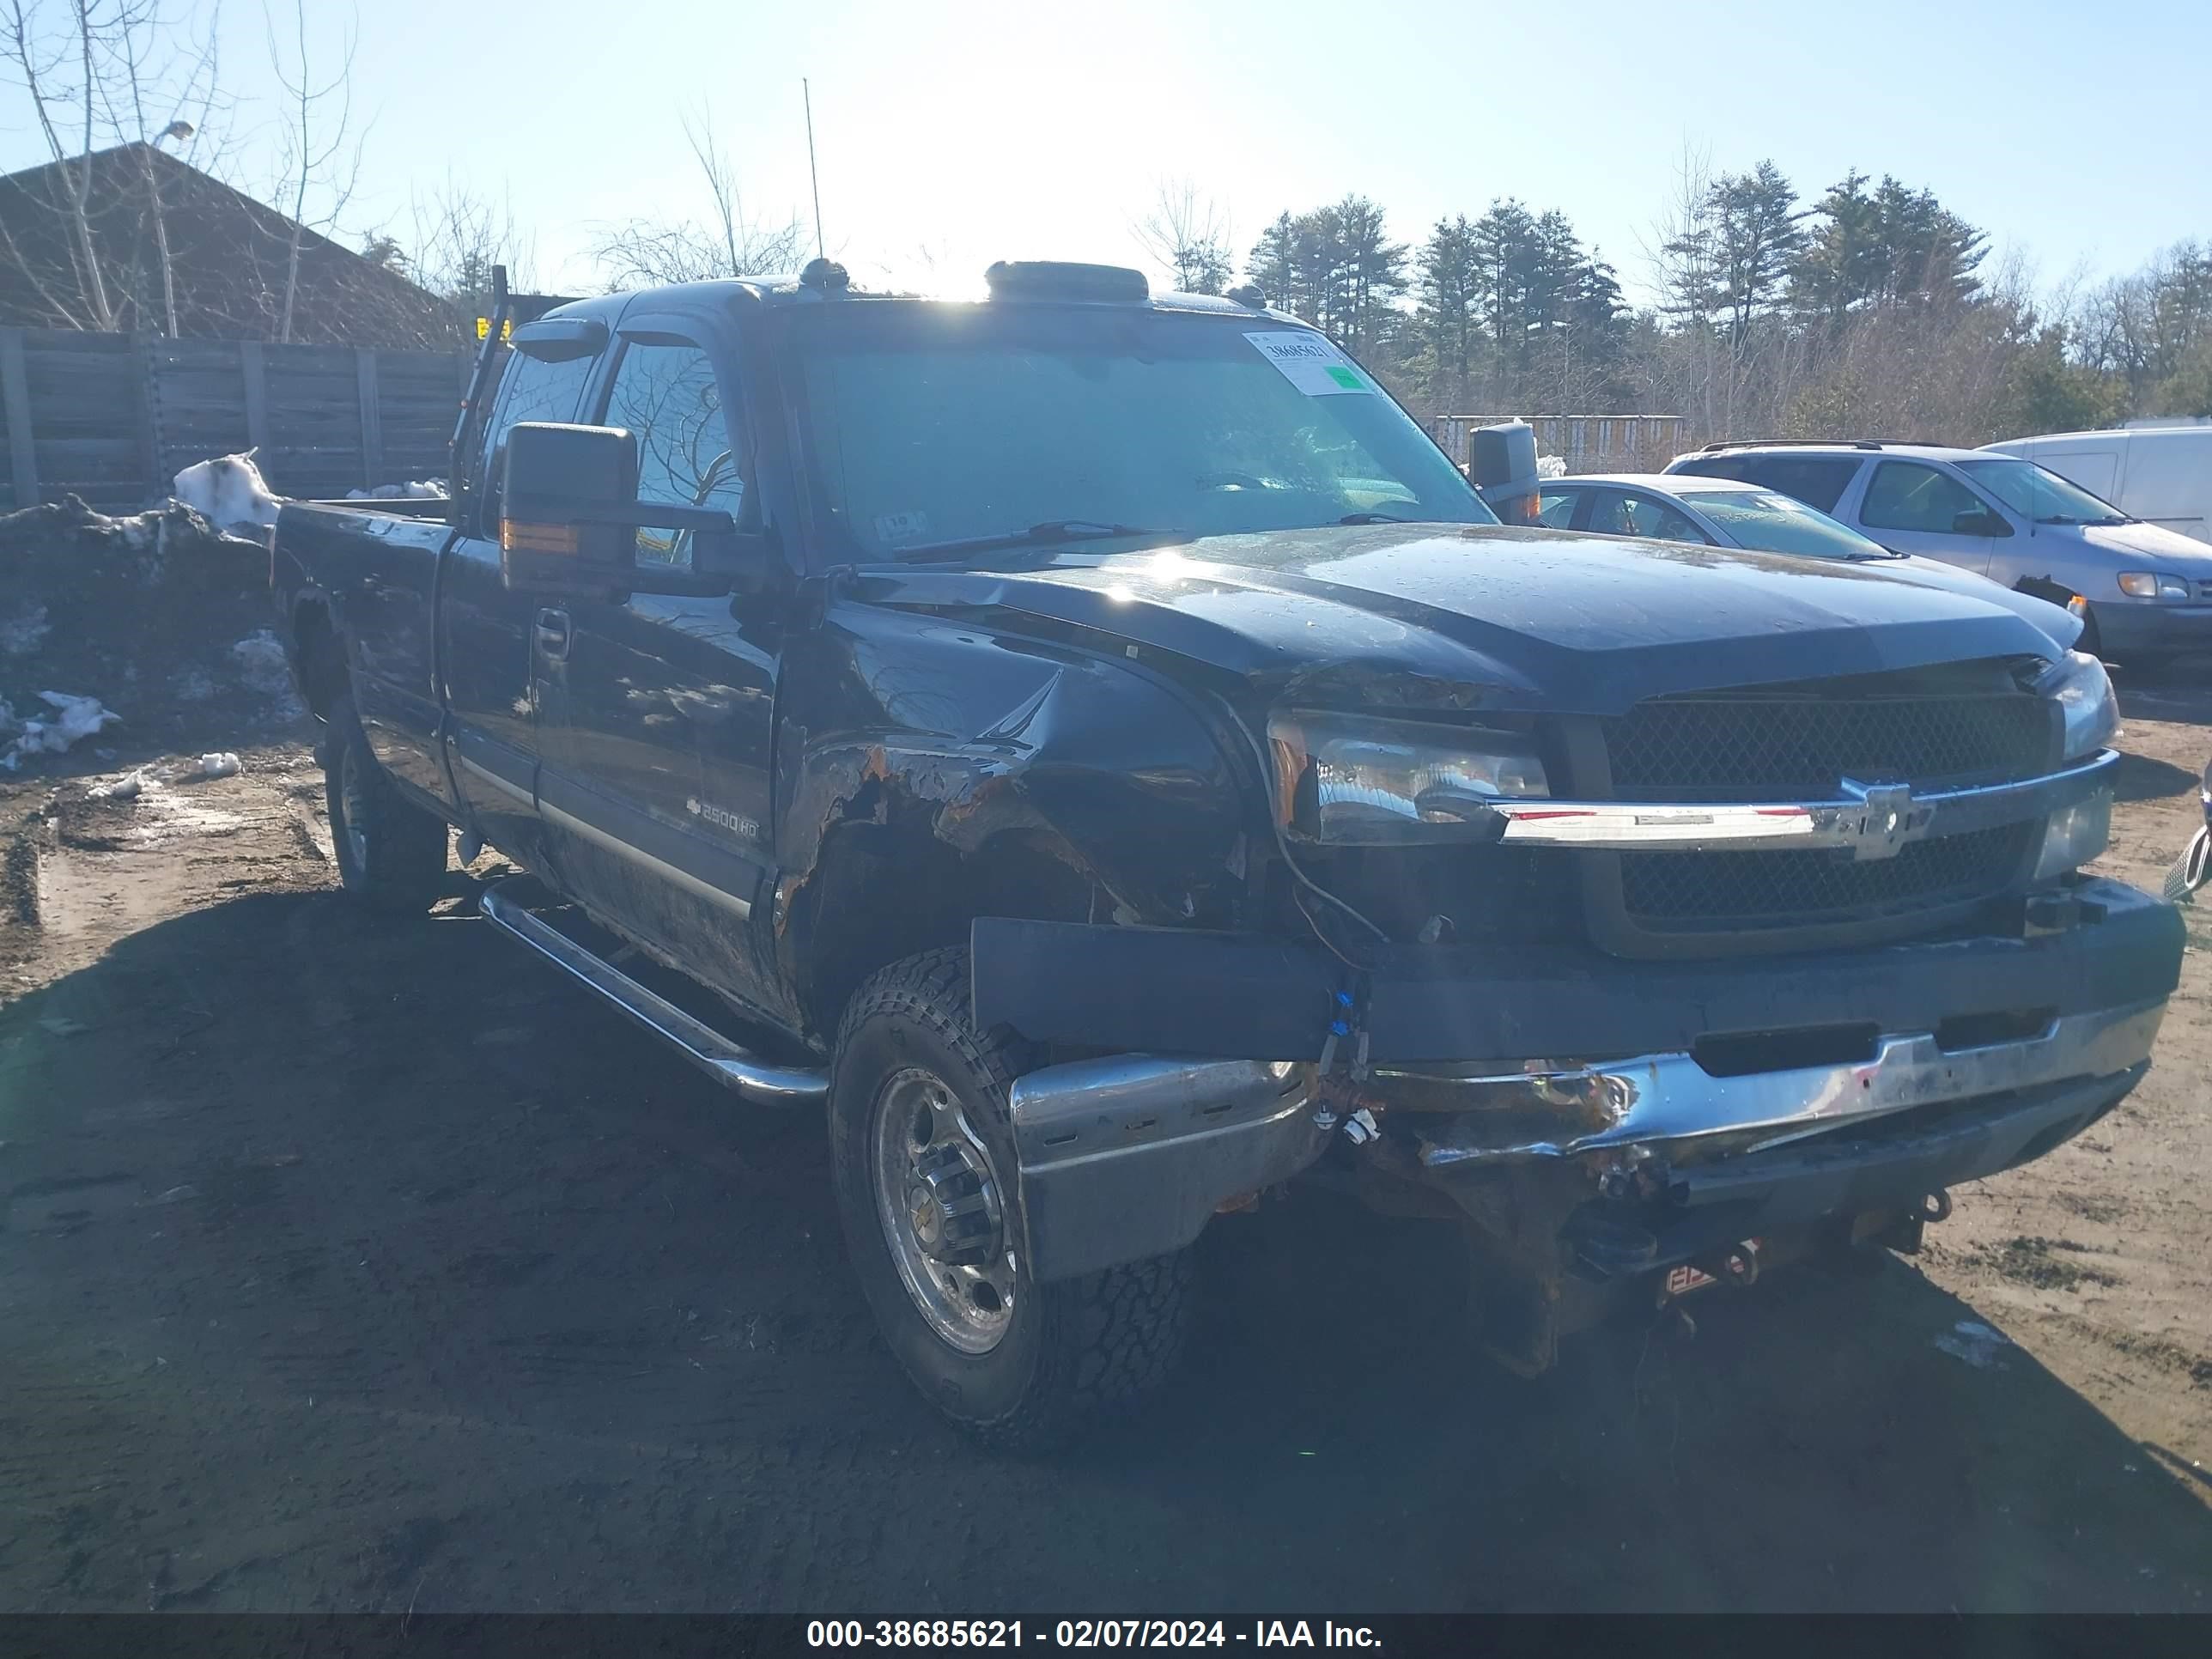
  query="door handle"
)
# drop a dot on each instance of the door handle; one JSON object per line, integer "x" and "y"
{"x": 553, "y": 634}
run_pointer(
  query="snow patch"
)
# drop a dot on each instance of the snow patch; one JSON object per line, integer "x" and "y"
{"x": 1976, "y": 1343}
{"x": 1551, "y": 466}
{"x": 129, "y": 786}
{"x": 228, "y": 491}
{"x": 75, "y": 718}
{"x": 421, "y": 489}
{"x": 261, "y": 664}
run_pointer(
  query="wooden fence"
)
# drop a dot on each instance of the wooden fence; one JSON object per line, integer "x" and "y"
{"x": 112, "y": 417}
{"x": 1587, "y": 443}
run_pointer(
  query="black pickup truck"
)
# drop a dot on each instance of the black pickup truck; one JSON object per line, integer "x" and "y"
{"x": 1097, "y": 748}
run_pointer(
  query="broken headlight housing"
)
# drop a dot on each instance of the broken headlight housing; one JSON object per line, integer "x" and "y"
{"x": 1356, "y": 780}
{"x": 2084, "y": 691}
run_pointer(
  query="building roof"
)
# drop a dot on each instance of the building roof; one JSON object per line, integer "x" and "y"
{"x": 229, "y": 260}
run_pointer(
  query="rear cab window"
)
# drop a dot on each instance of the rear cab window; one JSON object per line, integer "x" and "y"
{"x": 529, "y": 389}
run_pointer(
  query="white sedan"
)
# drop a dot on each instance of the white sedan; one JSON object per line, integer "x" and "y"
{"x": 1724, "y": 513}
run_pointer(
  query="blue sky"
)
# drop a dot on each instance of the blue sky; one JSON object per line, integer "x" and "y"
{"x": 951, "y": 135}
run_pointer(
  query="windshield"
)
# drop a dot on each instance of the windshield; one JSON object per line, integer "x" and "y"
{"x": 931, "y": 425}
{"x": 1774, "y": 523}
{"x": 2037, "y": 492}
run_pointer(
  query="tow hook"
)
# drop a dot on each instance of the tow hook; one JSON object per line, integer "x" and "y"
{"x": 1740, "y": 1266}
{"x": 1935, "y": 1207}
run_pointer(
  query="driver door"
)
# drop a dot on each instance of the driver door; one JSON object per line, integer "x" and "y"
{"x": 653, "y": 689}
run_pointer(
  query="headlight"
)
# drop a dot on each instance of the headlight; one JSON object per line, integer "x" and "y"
{"x": 2084, "y": 694}
{"x": 1356, "y": 780}
{"x": 2076, "y": 836}
{"x": 2150, "y": 584}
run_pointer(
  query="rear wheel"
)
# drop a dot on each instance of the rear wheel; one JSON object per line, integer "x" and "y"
{"x": 391, "y": 853}
{"x": 922, "y": 1152}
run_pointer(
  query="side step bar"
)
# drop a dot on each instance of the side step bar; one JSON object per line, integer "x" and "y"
{"x": 704, "y": 1048}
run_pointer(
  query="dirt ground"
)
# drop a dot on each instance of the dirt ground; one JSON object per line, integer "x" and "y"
{"x": 356, "y": 1264}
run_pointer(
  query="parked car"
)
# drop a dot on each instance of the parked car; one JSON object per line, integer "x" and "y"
{"x": 1098, "y": 751}
{"x": 2195, "y": 864}
{"x": 2149, "y": 590}
{"x": 1729, "y": 512}
{"x": 2160, "y": 474}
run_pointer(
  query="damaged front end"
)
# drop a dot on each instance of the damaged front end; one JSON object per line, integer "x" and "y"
{"x": 1761, "y": 1109}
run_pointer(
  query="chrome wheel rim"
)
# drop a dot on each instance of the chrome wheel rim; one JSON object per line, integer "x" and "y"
{"x": 353, "y": 800}
{"x": 942, "y": 1207}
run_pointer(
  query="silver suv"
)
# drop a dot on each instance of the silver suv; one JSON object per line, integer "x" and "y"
{"x": 2149, "y": 591}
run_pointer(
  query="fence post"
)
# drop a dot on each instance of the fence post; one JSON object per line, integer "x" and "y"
{"x": 149, "y": 415}
{"x": 15, "y": 390}
{"x": 372, "y": 418}
{"x": 254, "y": 368}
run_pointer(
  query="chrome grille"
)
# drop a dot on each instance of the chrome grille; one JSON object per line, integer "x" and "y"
{"x": 1802, "y": 746}
{"x": 1938, "y": 729}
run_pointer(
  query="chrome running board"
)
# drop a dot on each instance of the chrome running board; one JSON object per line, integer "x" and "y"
{"x": 724, "y": 1061}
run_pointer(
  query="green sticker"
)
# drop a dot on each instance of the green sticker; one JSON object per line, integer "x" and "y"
{"x": 1347, "y": 379}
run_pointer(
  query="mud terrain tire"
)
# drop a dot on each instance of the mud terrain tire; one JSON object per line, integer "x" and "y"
{"x": 1066, "y": 1354}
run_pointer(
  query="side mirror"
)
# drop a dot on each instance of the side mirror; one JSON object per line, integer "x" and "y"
{"x": 1979, "y": 521}
{"x": 559, "y": 488}
{"x": 569, "y": 517}
{"x": 1502, "y": 465}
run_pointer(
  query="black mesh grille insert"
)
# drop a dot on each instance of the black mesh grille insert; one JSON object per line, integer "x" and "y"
{"x": 1802, "y": 746}
{"x": 1725, "y": 891}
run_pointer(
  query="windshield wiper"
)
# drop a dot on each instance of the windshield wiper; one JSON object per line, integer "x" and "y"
{"x": 1373, "y": 518}
{"x": 1037, "y": 535}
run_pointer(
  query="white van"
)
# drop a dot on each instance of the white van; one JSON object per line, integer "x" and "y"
{"x": 2160, "y": 472}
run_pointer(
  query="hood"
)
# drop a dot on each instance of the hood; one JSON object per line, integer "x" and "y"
{"x": 2147, "y": 543}
{"x": 1544, "y": 620}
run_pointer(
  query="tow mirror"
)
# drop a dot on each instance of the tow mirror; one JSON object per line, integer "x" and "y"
{"x": 1501, "y": 464}
{"x": 569, "y": 517}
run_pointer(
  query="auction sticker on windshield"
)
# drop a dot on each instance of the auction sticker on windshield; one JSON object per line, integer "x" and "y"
{"x": 1310, "y": 363}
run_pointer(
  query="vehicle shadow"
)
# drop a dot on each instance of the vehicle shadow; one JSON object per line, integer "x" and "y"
{"x": 2139, "y": 777}
{"x": 2181, "y": 693}
{"x": 434, "y": 1283}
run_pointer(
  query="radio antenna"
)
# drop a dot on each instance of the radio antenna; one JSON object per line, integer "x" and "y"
{"x": 812, "y": 177}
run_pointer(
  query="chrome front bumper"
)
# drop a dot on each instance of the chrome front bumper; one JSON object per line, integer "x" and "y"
{"x": 1128, "y": 1158}
{"x": 1671, "y": 1098}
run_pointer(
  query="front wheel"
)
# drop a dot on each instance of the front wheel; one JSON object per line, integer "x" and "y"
{"x": 391, "y": 853}
{"x": 922, "y": 1156}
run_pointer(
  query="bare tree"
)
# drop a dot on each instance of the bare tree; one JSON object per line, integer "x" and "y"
{"x": 102, "y": 72}
{"x": 458, "y": 234}
{"x": 147, "y": 71}
{"x": 726, "y": 243}
{"x": 1189, "y": 236}
{"x": 322, "y": 152}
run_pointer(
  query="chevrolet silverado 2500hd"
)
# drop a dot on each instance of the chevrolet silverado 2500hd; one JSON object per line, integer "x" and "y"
{"x": 1097, "y": 749}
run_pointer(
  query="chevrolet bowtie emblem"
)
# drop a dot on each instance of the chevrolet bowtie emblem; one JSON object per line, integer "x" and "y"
{"x": 1883, "y": 818}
